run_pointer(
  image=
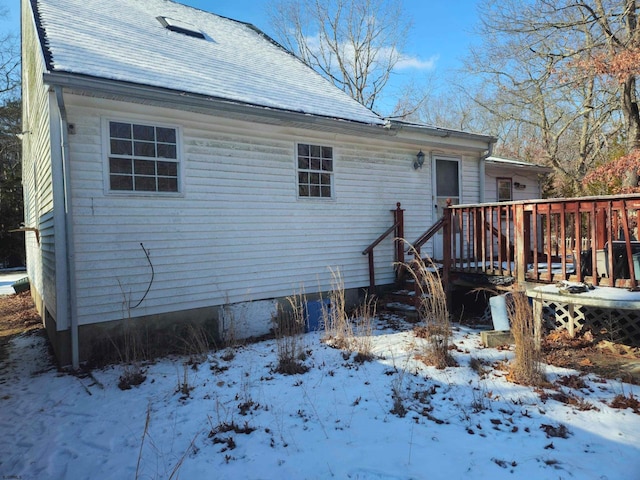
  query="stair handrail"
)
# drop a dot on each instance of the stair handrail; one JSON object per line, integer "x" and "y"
{"x": 378, "y": 240}
{"x": 428, "y": 235}
{"x": 398, "y": 228}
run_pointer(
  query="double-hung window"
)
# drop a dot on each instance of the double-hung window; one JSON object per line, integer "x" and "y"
{"x": 504, "y": 190}
{"x": 315, "y": 171}
{"x": 143, "y": 158}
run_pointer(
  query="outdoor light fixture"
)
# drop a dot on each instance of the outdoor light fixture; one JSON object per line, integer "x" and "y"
{"x": 419, "y": 160}
{"x": 21, "y": 135}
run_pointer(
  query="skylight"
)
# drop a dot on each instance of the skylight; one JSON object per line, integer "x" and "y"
{"x": 181, "y": 27}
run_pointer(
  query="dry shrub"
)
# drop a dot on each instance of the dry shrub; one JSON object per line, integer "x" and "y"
{"x": 197, "y": 342}
{"x": 433, "y": 313}
{"x": 557, "y": 431}
{"x": 352, "y": 333}
{"x": 569, "y": 398}
{"x": 362, "y": 342}
{"x": 288, "y": 327}
{"x": 626, "y": 401}
{"x": 572, "y": 381}
{"x": 338, "y": 331}
{"x": 526, "y": 368}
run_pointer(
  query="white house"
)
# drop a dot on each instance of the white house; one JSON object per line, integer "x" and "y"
{"x": 512, "y": 180}
{"x": 179, "y": 165}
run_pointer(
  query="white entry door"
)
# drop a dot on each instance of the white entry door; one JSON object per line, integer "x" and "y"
{"x": 446, "y": 185}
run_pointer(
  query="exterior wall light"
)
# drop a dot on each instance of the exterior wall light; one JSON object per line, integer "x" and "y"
{"x": 419, "y": 160}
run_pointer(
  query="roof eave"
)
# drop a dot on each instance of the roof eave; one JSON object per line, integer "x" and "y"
{"x": 525, "y": 166}
{"x": 442, "y": 132}
{"x": 141, "y": 93}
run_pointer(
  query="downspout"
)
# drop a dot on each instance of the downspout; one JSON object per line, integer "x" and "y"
{"x": 481, "y": 168}
{"x": 68, "y": 223}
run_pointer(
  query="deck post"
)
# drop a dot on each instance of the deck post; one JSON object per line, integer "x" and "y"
{"x": 446, "y": 251}
{"x": 519, "y": 254}
{"x": 398, "y": 217}
{"x": 372, "y": 274}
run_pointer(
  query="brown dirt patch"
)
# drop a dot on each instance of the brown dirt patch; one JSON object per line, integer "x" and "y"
{"x": 586, "y": 354}
{"x": 17, "y": 315}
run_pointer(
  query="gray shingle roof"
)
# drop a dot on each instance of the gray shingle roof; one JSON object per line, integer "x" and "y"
{"x": 123, "y": 40}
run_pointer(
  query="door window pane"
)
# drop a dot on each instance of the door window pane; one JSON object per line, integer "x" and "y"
{"x": 447, "y": 179}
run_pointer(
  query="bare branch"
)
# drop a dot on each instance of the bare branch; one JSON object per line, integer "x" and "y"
{"x": 354, "y": 43}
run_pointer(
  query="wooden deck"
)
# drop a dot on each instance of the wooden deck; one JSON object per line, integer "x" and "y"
{"x": 589, "y": 239}
{"x": 526, "y": 245}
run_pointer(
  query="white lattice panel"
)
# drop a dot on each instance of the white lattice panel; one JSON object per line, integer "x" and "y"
{"x": 617, "y": 325}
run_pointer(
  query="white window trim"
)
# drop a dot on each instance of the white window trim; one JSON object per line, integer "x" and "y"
{"x": 320, "y": 143}
{"x": 106, "y": 136}
{"x": 434, "y": 186}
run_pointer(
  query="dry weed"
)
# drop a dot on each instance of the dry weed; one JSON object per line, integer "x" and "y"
{"x": 362, "y": 341}
{"x": 433, "y": 313}
{"x": 338, "y": 328}
{"x": 288, "y": 327}
{"x": 626, "y": 401}
{"x": 526, "y": 368}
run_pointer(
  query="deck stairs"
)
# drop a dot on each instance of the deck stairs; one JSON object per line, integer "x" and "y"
{"x": 403, "y": 298}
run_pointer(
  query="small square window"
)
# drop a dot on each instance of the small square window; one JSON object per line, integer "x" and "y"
{"x": 142, "y": 158}
{"x": 315, "y": 171}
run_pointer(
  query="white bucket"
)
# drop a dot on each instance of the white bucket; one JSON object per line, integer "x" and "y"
{"x": 499, "y": 312}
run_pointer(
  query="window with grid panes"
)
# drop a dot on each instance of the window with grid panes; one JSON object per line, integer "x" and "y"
{"x": 315, "y": 171}
{"x": 142, "y": 158}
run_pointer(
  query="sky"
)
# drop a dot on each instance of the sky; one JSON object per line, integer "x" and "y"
{"x": 438, "y": 41}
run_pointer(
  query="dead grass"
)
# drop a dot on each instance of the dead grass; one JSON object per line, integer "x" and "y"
{"x": 17, "y": 315}
{"x": 526, "y": 368}
{"x": 338, "y": 330}
{"x": 433, "y": 314}
{"x": 288, "y": 328}
{"x": 623, "y": 401}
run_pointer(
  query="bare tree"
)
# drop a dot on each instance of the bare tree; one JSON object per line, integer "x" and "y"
{"x": 531, "y": 64}
{"x": 11, "y": 203}
{"x": 9, "y": 62}
{"x": 354, "y": 43}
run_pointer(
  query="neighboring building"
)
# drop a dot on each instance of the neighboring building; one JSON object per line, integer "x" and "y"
{"x": 179, "y": 166}
{"x": 512, "y": 180}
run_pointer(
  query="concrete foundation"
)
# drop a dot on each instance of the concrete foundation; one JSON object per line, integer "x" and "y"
{"x": 496, "y": 338}
{"x": 172, "y": 332}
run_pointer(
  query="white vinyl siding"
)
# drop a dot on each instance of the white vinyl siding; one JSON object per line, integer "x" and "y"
{"x": 236, "y": 233}
{"x": 36, "y": 167}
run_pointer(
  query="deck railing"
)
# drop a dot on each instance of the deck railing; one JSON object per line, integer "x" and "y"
{"x": 591, "y": 239}
{"x": 398, "y": 230}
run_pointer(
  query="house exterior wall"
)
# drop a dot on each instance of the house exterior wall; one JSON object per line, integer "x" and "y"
{"x": 528, "y": 178}
{"x": 237, "y": 231}
{"x": 37, "y": 170}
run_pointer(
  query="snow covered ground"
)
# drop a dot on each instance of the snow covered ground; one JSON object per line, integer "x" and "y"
{"x": 8, "y": 277}
{"x": 232, "y": 417}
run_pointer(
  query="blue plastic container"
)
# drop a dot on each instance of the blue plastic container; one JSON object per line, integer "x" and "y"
{"x": 314, "y": 314}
